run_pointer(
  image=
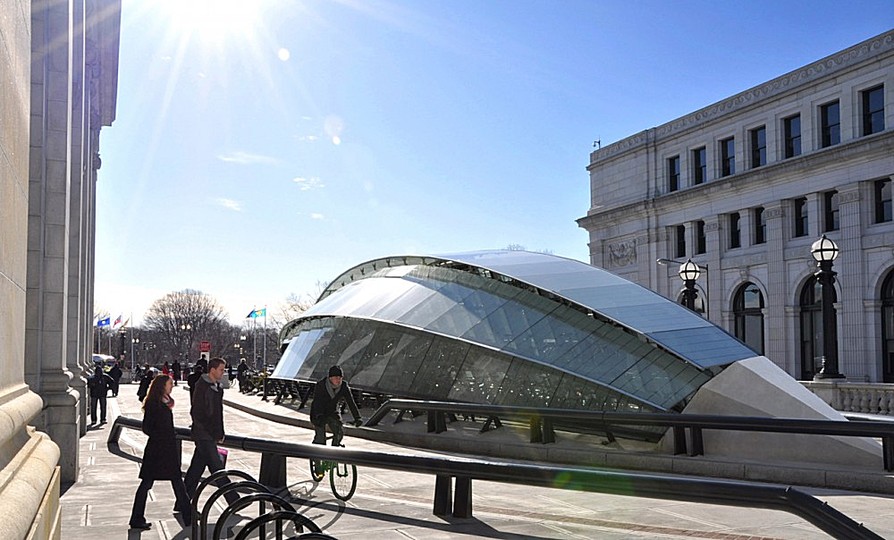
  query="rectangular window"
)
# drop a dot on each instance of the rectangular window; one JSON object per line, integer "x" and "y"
{"x": 758, "y": 146}
{"x": 760, "y": 226}
{"x": 791, "y": 128}
{"x": 735, "y": 234}
{"x": 680, "y": 232}
{"x": 830, "y": 125}
{"x": 830, "y": 208}
{"x": 701, "y": 244}
{"x": 801, "y": 228}
{"x": 728, "y": 157}
{"x": 873, "y": 110}
{"x": 883, "y": 201}
{"x": 673, "y": 173}
{"x": 699, "y": 166}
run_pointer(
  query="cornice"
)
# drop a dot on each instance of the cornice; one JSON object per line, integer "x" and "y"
{"x": 827, "y": 67}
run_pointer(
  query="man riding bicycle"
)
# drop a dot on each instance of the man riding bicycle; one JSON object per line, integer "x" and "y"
{"x": 328, "y": 392}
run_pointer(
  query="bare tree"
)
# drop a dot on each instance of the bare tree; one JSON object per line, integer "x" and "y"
{"x": 181, "y": 319}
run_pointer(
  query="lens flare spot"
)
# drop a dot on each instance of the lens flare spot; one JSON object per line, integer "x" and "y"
{"x": 283, "y": 54}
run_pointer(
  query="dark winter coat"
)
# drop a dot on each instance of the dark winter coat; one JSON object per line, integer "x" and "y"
{"x": 324, "y": 405}
{"x": 161, "y": 457}
{"x": 99, "y": 383}
{"x": 207, "y": 410}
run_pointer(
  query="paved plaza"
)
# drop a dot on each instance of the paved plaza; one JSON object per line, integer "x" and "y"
{"x": 395, "y": 505}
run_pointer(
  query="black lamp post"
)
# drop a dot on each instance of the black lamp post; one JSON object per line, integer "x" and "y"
{"x": 824, "y": 251}
{"x": 689, "y": 272}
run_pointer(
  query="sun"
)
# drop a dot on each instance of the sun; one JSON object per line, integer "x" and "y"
{"x": 215, "y": 20}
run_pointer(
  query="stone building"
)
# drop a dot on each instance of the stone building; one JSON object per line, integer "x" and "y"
{"x": 58, "y": 72}
{"x": 744, "y": 186}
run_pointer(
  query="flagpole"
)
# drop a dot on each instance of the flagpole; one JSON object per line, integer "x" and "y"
{"x": 265, "y": 337}
{"x": 254, "y": 337}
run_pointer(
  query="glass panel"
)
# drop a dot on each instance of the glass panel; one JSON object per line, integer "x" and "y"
{"x": 297, "y": 352}
{"x": 479, "y": 377}
{"x": 375, "y": 356}
{"x": 528, "y": 384}
{"x": 437, "y": 373}
{"x": 404, "y": 362}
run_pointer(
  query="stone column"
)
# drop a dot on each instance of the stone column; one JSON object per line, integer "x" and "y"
{"x": 714, "y": 277}
{"x": 77, "y": 349}
{"x": 774, "y": 311}
{"x": 46, "y": 321}
{"x": 852, "y": 349}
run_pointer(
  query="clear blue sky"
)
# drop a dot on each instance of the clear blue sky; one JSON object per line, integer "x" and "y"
{"x": 267, "y": 145}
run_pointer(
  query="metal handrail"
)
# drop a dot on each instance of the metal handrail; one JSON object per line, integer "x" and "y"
{"x": 731, "y": 493}
{"x": 694, "y": 422}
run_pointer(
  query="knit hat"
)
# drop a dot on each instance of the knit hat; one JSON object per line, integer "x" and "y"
{"x": 335, "y": 371}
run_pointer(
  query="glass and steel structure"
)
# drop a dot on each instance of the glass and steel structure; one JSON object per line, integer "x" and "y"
{"x": 507, "y": 328}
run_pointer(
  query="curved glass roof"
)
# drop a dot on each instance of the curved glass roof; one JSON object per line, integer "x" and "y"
{"x": 672, "y": 326}
{"x": 505, "y": 327}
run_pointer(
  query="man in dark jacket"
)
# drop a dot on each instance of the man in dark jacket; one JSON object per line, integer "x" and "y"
{"x": 328, "y": 392}
{"x": 206, "y": 411}
{"x": 115, "y": 373}
{"x": 98, "y": 386}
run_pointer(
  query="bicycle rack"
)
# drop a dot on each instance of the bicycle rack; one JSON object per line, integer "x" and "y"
{"x": 275, "y": 501}
{"x": 246, "y": 486}
{"x": 199, "y": 520}
{"x": 280, "y": 516}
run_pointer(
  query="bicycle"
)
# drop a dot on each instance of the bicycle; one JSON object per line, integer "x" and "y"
{"x": 342, "y": 476}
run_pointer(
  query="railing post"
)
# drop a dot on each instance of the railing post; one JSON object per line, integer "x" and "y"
{"x": 536, "y": 433}
{"x": 273, "y": 471}
{"x": 888, "y": 452}
{"x": 462, "y": 501}
{"x": 549, "y": 434}
{"x": 679, "y": 440}
{"x": 443, "y": 495}
{"x": 698, "y": 444}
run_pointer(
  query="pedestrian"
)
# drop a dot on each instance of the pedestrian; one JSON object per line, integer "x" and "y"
{"x": 327, "y": 393}
{"x": 145, "y": 380}
{"x": 166, "y": 369}
{"x": 115, "y": 373}
{"x": 98, "y": 386}
{"x": 241, "y": 374}
{"x": 161, "y": 456}
{"x": 176, "y": 371}
{"x": 197, "y": 370}
{"x": 207, "y": 427}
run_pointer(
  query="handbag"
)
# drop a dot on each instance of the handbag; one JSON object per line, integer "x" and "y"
{"x": 223, "y": 453}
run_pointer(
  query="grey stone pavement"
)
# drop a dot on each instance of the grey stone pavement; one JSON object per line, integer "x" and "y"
{"x": 395, "y": 505}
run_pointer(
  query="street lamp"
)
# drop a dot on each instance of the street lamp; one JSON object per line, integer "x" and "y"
{"x": 134, "y": 348}
{"x": 689, "y": 272}
{"x": 824, "y": 251}
{"x": 186, "y": 327}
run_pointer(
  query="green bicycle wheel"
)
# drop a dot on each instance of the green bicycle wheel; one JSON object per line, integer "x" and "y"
{"x": 343, "y": 480}
{"x": 317, "y": 472}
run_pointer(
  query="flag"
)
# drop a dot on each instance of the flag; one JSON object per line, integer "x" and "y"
{"x": 257, "y": 313}
{"x": 120, "y": 321}
{"x": 103, "y": 322}
{"x": 251, "y": 315}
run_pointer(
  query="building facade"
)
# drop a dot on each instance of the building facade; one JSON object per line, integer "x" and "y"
{"x": 743, "y": 187}
{"x": 58, "y": 71}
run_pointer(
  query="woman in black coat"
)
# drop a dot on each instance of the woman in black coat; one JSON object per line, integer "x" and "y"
{"x": 161, "y": 457}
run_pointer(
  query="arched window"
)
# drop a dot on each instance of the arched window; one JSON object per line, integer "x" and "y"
{"x": 748, "y": 305}
{"x": 812, "y": 328}
{"x": 888, "y": 328}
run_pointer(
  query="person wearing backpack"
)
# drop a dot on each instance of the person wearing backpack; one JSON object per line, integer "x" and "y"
{"x": 98, "y": 386}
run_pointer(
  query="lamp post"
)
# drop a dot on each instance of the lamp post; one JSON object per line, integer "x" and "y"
{"x": 689, "y": 272}
{"x": 824, "y": 251}
{"x": 185, "y": 328}
{"x": 134, "y": 348}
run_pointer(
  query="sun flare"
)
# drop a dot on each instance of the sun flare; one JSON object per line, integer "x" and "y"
{"x": 215, "y": 20}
